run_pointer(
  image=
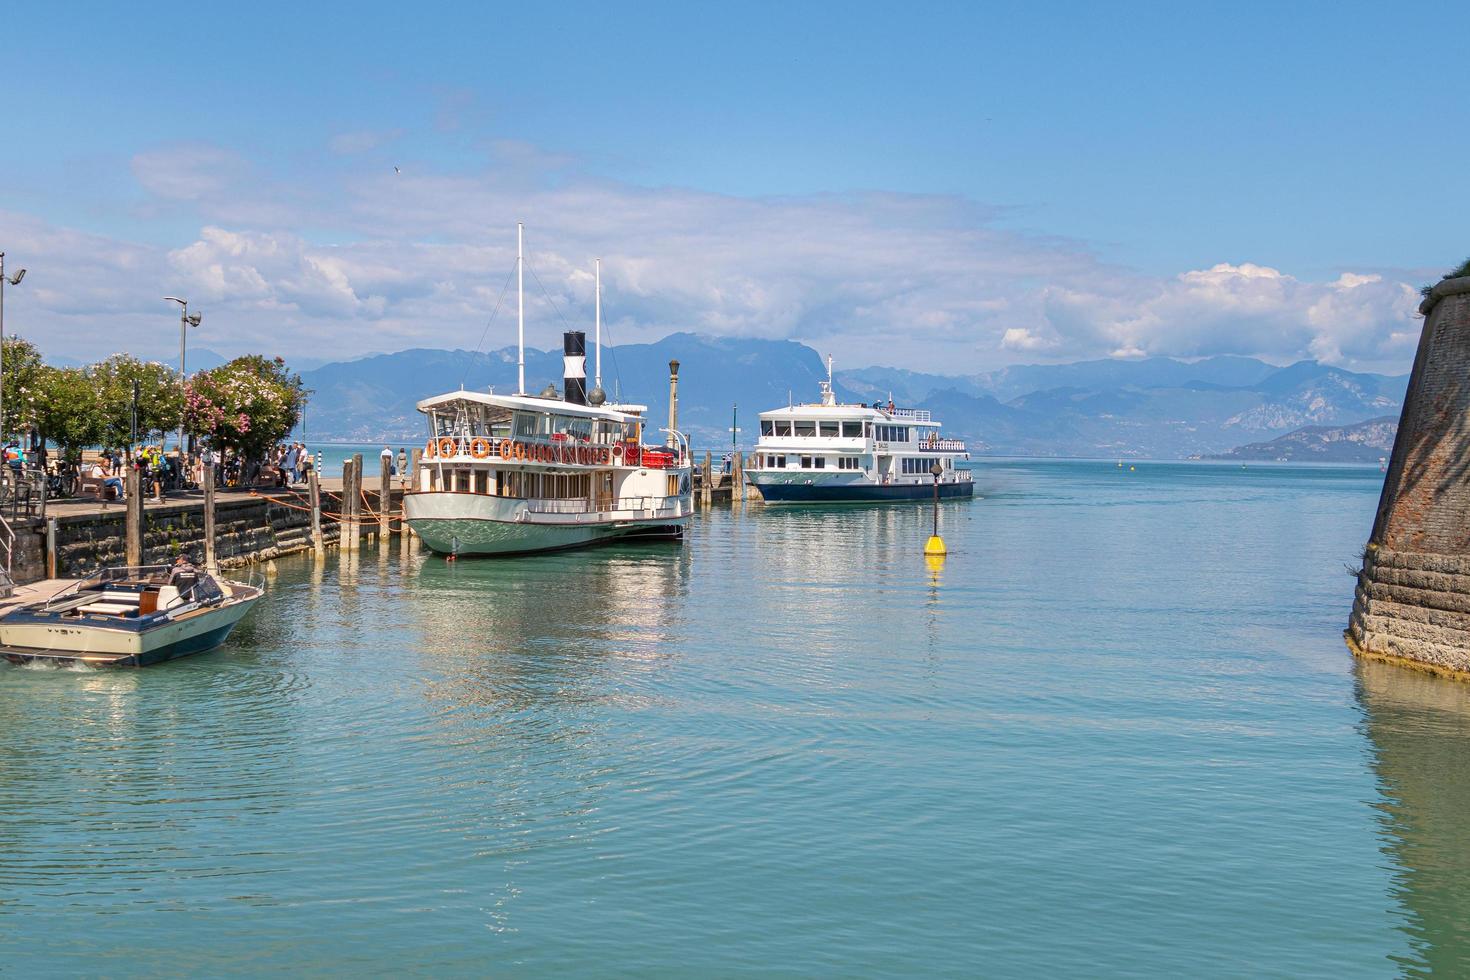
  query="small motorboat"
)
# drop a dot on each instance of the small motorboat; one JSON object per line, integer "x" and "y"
{"x": 128, "y": 617}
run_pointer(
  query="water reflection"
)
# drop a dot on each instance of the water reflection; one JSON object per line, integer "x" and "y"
{"x": 1419, "y": 727}
{"x": 567, "y": 627}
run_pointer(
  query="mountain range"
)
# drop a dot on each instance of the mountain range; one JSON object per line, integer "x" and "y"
{"x": 1148, "y": 407}
{"x": 1360, "y": 442}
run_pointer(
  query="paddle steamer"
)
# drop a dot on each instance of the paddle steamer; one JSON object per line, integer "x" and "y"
{"x": 512, "y": 474}
{"x": 832, "y": 453}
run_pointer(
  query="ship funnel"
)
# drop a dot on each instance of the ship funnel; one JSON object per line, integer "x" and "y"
{"x": 574, "y": 372}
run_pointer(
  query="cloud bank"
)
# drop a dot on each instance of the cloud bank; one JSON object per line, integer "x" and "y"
{"x": 359, "y": 260}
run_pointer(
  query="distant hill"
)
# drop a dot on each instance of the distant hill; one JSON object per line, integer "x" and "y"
{"x": 372, "y": 399}
{"x": 1361, "y": 442}
{"x": 1149, "y": 407}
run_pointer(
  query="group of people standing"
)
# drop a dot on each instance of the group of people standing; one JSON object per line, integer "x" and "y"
{"x": 293, "y": 461}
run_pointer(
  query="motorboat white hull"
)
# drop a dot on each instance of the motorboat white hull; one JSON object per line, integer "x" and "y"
{"x": 99, "y": 642}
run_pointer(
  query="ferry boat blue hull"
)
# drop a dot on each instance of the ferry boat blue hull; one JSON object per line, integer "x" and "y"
{"x": 812, "y": 493}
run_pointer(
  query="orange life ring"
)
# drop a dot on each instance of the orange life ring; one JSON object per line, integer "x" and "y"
{"x": 448, "y": 446}
{"x": 618, "y": 450}
{"x": 429, "y": 449}
{"x": 566, "y": 454}
{"x": 505, "y": 449}
{"x": 480, "y": 447}
{"x": 518, "y": 450}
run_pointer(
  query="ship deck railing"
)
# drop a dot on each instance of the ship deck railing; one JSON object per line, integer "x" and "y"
{"x": 915, "y": 414}
{"x": 580, "y": 511}
{"x": 942, "y": 446}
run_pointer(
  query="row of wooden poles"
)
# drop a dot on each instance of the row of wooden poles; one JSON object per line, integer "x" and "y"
{"x": 352, "y": 517}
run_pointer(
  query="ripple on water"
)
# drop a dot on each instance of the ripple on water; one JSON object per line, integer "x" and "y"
{"x": 1086, "y": 743}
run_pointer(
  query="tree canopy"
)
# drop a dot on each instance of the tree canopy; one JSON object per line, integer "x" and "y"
{"x": 248, "y": 405}
{"x": 160, "y": 401}
{"x": 22, "y": 363}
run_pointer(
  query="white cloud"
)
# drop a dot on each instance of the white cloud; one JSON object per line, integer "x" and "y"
{"x": 931, "y": 282}
{"x": 1022, "y": 339}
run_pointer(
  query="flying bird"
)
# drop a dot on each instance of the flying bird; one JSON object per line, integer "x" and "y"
{"x": 397, "y": 171}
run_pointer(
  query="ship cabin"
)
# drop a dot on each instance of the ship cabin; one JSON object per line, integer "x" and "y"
{"x": 558, "y": 456}
{"x": 880, "y": 443}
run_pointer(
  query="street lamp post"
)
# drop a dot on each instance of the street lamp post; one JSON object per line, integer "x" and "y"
{"x": 14, "y": 281}
{"x": 186, "y": 320}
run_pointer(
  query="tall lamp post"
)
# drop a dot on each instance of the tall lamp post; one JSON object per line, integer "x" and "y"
{"x": 186, "y": 320}
{"x": 14, "y": 281}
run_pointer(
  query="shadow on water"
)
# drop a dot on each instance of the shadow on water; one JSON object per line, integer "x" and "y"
{"x": 1419, "y": 729}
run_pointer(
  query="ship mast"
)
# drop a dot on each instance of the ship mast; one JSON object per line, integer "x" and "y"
{"x": 520, "y": 313}
{"x": 597, "y": 336}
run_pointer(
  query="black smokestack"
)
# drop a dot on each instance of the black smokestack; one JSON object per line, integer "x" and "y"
{"x": 574, "y": 357}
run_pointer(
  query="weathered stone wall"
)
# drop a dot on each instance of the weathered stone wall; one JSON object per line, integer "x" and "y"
{"x": 245, "y": 530}
{"x": 1413, "y": 595}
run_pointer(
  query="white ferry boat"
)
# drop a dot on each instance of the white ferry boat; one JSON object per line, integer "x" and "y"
{"x": 832, "y": 453}
{"x": 512, "y": 474}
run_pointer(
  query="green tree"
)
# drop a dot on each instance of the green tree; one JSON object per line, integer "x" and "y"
{"x": 68, "y": 410}
{"x": 22, "y": 366}
{"x": 160, "y": 399}
{"x": 248, "y": 405}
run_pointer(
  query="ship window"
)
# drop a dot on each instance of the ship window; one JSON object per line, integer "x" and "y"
{"x": 806, "y": 462}
{"x": 777, "y": 461}
{"x": 830, "y": 428}
{"x": 806, "y": 428}
{"x": 819, "y": 462}
{"x": 525, "y": 425}
{"x": 783, "y": 428}
{"x": 852, "y": 430}
{"x": 768, "y": 428}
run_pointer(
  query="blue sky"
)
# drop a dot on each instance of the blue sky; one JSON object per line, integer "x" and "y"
{"x": 984, "y": 182}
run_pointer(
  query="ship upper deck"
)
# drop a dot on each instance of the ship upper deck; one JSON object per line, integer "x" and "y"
{"x": 530, "y": 403}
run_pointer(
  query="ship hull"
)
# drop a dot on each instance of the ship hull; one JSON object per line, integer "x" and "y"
{"x": 473, "y": 524}
{"x": 778, "y": 491}
{"x": 26, "y": 638}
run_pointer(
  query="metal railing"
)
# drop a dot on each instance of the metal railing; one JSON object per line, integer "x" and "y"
{"x": 942, "y": 446}
{"x": 582, "y": 506}
{"x": 917, "y": 414}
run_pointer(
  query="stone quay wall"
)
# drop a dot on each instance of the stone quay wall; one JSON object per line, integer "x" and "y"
{"x": 1412, "y": 603}
{"x": 247, "y": 529}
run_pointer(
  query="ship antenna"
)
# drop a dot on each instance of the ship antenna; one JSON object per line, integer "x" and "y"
{"x": 520, "y": 312}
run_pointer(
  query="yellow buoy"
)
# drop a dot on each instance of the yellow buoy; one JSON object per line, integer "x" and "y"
{"x": 935, "y": 546}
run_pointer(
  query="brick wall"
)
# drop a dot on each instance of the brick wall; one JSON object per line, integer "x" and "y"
{"x": 1413, "y": 597}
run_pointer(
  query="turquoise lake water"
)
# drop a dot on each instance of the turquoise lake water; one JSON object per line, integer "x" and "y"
{"x": 1117, "y": 733}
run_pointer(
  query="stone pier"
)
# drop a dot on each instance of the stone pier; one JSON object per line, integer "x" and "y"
{"x": 1412, "y": 604}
